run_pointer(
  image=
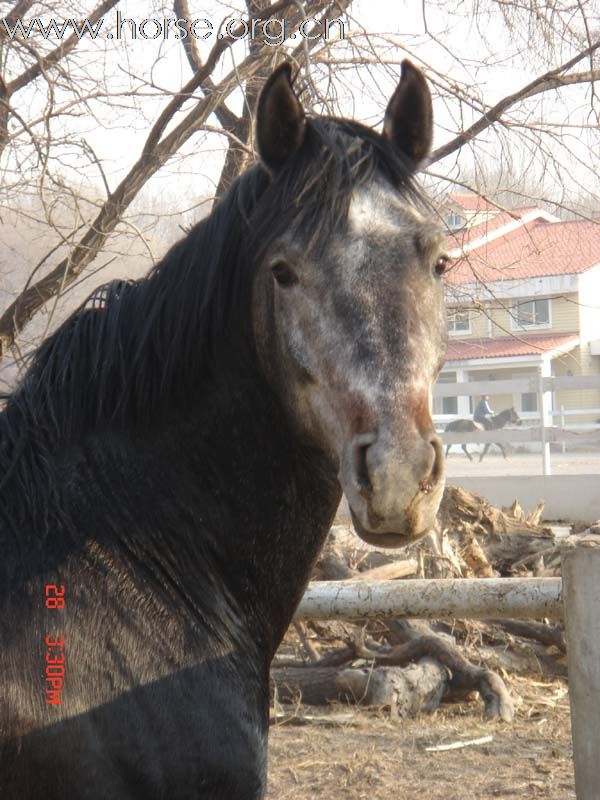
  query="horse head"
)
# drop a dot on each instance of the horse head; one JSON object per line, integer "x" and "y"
{"x": 351, "y": 316}
{"x": 514, "y": 418}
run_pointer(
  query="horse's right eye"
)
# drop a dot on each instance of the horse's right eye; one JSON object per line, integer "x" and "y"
{"x": 284, "y": 274}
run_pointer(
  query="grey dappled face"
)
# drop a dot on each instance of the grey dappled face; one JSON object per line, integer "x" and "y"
{"x": 362, "y": 332}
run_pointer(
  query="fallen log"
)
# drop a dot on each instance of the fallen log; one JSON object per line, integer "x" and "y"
{"x": 465, "y": 676}
{"x": 345, "y": 557}
{"x": 523, "y": 660}
{"x": 405, "y": 691}
{"x": 550, "y": 635}
{"x": 389, "y": 572}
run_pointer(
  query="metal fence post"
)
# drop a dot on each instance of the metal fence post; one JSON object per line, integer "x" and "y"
{"x": 581, "y": 597}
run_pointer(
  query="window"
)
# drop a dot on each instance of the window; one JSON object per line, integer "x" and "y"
{"x": 531, "y": 313}
{"x": 446, "y": 405}
{"x": 455, "y": 221}
{"x": 459, "y": 320}
{"x": 529, "y": 401}
{"x": 449, "y": 405}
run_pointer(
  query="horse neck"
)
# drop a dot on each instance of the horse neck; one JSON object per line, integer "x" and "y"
{"x": 263, "y": 498}
{"x": 500, "y": 420}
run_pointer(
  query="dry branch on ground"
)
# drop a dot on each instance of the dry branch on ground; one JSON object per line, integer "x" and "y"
{"x": 410, "y": 666}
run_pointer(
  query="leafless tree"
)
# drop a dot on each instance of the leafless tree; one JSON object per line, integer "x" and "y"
{"x": 51, "y": 89}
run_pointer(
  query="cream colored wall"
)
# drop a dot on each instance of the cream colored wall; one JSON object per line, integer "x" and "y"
{"x": 565, "y": 313}
{"x": 578, "y": 362}
{"x": 500, "y": 316}
{"x": 479, "y": 325}
{"x": 564, "y": 316}
{"x": 498, "y": 401}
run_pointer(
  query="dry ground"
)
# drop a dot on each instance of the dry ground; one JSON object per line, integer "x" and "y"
{"x": 458, "y": 465}
{"x": 374, "y": 758}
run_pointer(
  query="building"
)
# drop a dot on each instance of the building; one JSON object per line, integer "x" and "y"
{"x": 523, "y": 297}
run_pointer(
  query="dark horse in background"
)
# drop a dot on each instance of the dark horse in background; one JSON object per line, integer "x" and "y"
{"x": 507, "y": 417}
{"x": 175, "y": 453}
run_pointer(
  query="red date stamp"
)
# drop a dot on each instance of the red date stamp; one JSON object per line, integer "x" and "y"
{"x": 55, "y": 650}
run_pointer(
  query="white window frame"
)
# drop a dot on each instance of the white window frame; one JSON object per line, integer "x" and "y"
{"x": 517, "y": 325}
{"x": 536, "y": 410}
{"x": 453, "y": 401}
{"x": 454, "y": 221}
{"x": 452, "y": 317}
{"x": 518, "y": 398}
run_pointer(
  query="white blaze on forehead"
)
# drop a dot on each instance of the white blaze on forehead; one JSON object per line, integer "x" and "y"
{"x": 378, "y": 209}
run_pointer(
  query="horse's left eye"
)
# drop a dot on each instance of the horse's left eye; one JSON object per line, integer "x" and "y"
{"x": 441, "y": 265}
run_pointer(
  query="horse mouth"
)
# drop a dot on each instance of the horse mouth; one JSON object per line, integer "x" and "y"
{"x": 387, "y": 538}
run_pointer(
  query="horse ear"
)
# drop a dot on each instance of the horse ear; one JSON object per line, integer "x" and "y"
{"x": 408, "y": 122}
{"x": 280, "y": 120}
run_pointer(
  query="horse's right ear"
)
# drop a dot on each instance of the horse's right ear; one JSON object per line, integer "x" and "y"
{"x": 280, "y": 120}
{"x": 408, "y": 122}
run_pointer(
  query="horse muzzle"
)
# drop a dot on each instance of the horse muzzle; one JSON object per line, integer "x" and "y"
{"x": 393, "y": 493}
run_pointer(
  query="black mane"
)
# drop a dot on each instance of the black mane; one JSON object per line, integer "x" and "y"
{"x": 136, "y": 351}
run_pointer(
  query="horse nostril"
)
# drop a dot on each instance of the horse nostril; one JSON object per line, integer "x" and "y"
{"x": 436, "y": 466}
{"x": 360, "y": 464}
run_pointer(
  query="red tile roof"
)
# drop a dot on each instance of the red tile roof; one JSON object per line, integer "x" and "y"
{"x": 534, "y": 249}
{"x": 524, "y": 345}
{"x": 463, "y": 237}
{"x": 471, "y": 201}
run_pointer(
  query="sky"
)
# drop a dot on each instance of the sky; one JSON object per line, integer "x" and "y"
{"x": 479, "y": 53}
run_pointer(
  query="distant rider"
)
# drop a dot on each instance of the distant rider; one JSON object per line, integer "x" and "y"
{"x": 483, "y": 411}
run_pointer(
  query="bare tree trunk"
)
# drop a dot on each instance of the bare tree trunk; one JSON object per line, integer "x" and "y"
{"x": 237, "y": 157}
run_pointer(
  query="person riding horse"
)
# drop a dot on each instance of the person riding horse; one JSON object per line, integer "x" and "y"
{"x": 483, "y": 411}
{"x": 496, "y": 421}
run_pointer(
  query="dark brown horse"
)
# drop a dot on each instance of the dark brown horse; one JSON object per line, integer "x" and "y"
{"x": 175, "y": 454}
{"x": 506, "y": 417}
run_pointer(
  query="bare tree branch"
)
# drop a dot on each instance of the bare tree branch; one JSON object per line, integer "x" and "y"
{"x": 553, "y": 79}
{"x": 155, "y": 154}
{"x": 51, "y": 59}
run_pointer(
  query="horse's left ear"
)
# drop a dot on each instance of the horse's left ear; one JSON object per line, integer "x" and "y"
{"x": 408, "y": 122}
{"x": 280, "y": 120}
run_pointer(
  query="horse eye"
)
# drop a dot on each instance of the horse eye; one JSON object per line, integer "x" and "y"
{"x": 284, "y": 274}
{"x": 441, "y": 265}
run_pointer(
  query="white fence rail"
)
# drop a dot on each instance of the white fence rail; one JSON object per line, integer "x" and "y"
{"x": 433, "y": 599}
{"x": 518, "y": 385}
{"x": 553, "y": 434}
{"x": 543, "y": 432}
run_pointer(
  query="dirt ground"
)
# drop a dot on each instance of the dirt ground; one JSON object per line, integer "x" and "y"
{"x": 367, "y": 756}
{"x": 458, "y": 465}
